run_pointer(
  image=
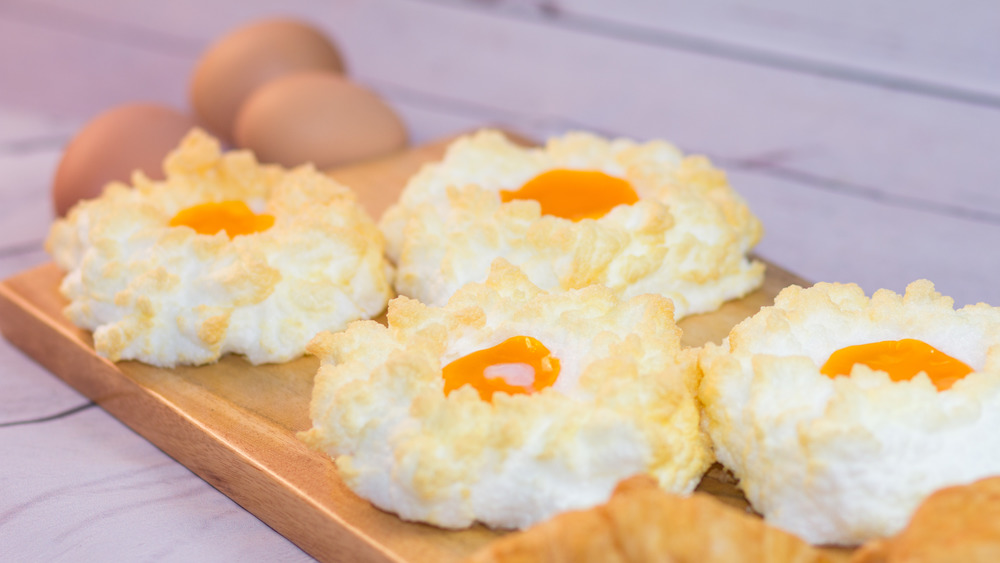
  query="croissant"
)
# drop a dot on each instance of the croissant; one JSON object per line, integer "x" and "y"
{"x": 959, "y": 523}
{"x": 643, "y": 523}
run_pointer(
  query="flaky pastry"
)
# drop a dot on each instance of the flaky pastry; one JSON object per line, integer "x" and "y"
{"x": 843, "y": 458}
{"x": 622, "y": 403}
{"x": 641, "y": 524}
{"x": 686, "y": 237}
{"x": 960, "y": 523}
{"x": 169, "y": 295}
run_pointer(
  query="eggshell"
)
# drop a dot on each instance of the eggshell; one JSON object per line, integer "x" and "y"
{"x": 248, "y": 57}
{"x": 114, "y": 144}
{"x": 317, "y": 117}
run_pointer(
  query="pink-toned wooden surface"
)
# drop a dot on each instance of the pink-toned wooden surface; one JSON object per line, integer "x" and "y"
{"x": 862, "y": 135}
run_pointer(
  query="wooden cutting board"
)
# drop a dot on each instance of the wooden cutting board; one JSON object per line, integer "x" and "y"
{"x": 234, "y": 424}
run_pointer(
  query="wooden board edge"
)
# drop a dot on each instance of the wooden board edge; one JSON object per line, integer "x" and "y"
{"x": 183, "y": 438}
{"x": 205, "y": 444}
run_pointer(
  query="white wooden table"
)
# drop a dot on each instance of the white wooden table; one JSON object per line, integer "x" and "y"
{"x": 864, "y": 136}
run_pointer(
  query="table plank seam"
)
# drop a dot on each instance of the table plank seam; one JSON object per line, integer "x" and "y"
{"x": 28, "y": 145}
{"x": 20, "y": 248}
{"x": 860, "y": 191}
{"x": 548, "y": 13}
{"x": 85, "y": 25}
{"x": 750, "y": 165}
{"x": 433, "y": 101}
{"x": 51, "y": 417}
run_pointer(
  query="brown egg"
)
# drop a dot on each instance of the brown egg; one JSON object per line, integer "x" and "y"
{"x": 239, "y": 62}
{"x": 317, "y": 117}
{"x": 112, "y": 145}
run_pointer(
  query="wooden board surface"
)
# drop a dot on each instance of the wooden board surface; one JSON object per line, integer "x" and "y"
{"x": 234, "y": 424}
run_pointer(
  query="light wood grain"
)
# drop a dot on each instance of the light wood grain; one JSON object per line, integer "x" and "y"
{"x": 234, "y": 424}
{"x": 926, "y": 45}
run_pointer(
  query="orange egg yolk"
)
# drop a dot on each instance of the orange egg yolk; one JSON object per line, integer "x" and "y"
{"x": 232, "y": 216}
{"x": 901, "y": 359}
{"x": 575, "y": 194}
{"x": 518, "y": 365}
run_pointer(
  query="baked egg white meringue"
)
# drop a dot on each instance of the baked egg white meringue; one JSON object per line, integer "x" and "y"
{"x": 509, "y": 404}
{"x": 840, "y": 414}
{"x": 224, "y": 255}
{"x": 637, "y": 218}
